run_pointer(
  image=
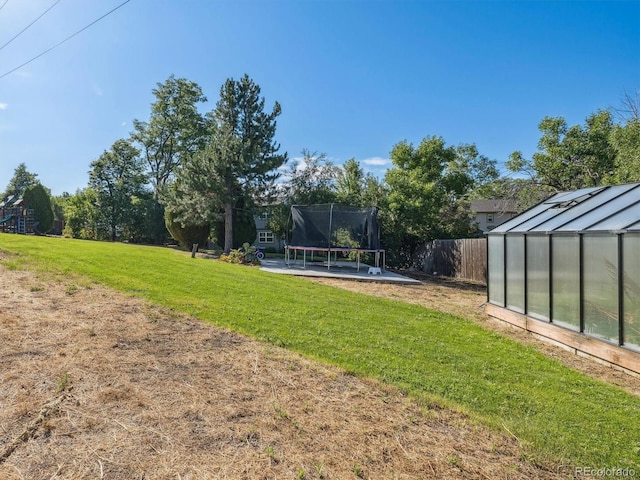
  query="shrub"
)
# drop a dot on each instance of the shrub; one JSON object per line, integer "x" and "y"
{"x": 37, "y": 198}
{"x": 243, "y": 256}
{"x": 186, "y": 235}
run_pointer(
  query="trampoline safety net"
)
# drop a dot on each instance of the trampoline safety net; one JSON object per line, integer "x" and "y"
{"x": 335, "y": 226}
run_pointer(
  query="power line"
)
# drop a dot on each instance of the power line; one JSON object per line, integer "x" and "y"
{"x": 25, "y": 28}
{"x": 2, "y": 6}
{"x": 63, "y": 41}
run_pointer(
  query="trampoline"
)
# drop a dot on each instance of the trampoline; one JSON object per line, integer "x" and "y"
{"x": 331, "y": 229}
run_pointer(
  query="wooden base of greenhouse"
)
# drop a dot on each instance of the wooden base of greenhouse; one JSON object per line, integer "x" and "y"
{"x": 578, "y": 343}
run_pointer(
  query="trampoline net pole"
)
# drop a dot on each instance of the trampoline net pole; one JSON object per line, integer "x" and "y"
{"x": 330, "y": 234}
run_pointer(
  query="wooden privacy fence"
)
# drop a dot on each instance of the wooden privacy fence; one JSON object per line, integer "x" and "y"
{"x": 465, "y": 258}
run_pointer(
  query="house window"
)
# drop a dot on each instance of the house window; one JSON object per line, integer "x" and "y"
{"x": 264, "y": 215}
{"x": 489, "y": 217}
{"x": 266, "y": 236}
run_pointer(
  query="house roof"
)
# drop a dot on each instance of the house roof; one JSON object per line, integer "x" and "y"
{"x": 494, "y": 206}
{"x": 598, "y": 209}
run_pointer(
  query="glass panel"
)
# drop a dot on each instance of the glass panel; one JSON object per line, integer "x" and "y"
{"x": 635, "y": 226}
{"x": 631, "y": 268}
{"x": 515, "y": 272}
{"x": 567, "y": 197}
{"x": 600, "y": 275}
{"x": 583, "y": 207}
{"x": 620, "y": 220}
{"x": 524, "y": 216}
{"x": 534, "y": 223}
{"x": 538, "y": 276}
{"x": 599, "y": 214}
{"x": 496, "y": 269}
{"x": 566, "y": 281}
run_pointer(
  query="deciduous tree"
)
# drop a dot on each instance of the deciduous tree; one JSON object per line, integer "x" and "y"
{"x": 81, "y": 215}
{"x": 175, "y": 129}
{"x": 311, "y": 180}
{"x": 117, "y": 178}
{"x": 569, "y": 158}
{"x": 428, "y": 190}
{"x": 350, "y": 183}
{"x": 625, "y": 140}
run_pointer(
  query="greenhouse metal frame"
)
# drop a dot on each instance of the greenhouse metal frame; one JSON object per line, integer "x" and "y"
{"x": 568, "y": 269}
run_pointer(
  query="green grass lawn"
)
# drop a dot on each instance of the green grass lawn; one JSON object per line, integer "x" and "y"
{"x": 559, "y": 415}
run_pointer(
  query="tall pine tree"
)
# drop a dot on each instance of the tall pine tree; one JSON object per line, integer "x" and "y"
{"x": 239, "y": 162}
{"x": 21, "y": 180}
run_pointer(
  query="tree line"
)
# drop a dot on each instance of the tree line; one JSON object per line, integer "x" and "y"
{"x": 195, "y": 176}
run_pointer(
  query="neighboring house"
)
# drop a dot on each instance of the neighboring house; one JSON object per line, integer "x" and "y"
{"x": 266, "y": 238}
{"x": 491, "y": 213}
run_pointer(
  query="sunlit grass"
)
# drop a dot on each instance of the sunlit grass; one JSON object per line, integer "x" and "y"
{"x": 558, "y": 415}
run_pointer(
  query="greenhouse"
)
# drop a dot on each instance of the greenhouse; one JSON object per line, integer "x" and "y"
{"x": 568, "y": 269}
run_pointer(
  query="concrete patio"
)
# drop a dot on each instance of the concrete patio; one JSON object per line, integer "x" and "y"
{"x": 340, "y": 269}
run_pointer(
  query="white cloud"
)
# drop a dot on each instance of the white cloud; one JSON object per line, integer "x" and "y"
{"x": 4, "y": 106}
{"x": 376, "y": 162}
{"x": 123, "y": 124}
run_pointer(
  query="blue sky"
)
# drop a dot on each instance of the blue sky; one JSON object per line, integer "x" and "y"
{"x": 353, "y": 77}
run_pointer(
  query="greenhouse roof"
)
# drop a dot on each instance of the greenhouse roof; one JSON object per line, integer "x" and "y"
{"x": 598, "y": 209}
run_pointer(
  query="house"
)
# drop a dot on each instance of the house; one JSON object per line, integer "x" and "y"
{"x": 265, "y": 237}
{"x": 491, "y": 213}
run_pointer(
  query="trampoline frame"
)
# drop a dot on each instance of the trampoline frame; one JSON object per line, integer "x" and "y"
{"x": 379, "y": 253}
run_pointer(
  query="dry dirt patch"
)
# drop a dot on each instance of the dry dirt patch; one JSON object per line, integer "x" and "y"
{"x": 95, "y": 384}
